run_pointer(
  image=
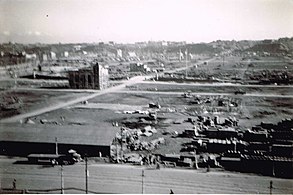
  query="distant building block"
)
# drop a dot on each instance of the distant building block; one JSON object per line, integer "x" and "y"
{"x": 95, "y": 78}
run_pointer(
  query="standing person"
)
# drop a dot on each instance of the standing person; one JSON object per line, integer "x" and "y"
{"x": 14, "y": 184}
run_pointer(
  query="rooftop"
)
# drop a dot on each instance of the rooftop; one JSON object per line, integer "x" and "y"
{"x": 66, "y": 134}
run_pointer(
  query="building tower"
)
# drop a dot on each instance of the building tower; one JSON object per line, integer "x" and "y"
{"x": 101, "y": 77}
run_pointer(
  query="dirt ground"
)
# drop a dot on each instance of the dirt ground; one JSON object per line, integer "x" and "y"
{"x": 109, "y": 108}
{"x": 18, "y": 101}
{"x": 212, "y": 88}
{"x": 31, "y": 83}
{"x": 239, "y": 68}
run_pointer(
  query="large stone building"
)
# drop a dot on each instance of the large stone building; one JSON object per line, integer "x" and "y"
{"x": 96, "y": 77}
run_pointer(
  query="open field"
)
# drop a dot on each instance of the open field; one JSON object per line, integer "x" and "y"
{"x": 277, "y": 63}
{"x": 251, "y": 110}
{"x": 49, "y": 107}
{"x": 17, "y": 101}
{"x": 239, "y": 68}
{"x": 32, "y": 83}
{"x": 259, "y": 63}
{"x": 212, "y": 88}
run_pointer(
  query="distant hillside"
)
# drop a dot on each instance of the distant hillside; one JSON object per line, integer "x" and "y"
{"x": 270, "y": 48}
{"x": 233, "y": 45}
{"x": 201, "y": 48}
{"x": 280, "y": 46}
{"x": 288, "y": 42}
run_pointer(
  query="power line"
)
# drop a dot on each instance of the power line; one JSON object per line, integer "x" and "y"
{"x": 31, "y": 191}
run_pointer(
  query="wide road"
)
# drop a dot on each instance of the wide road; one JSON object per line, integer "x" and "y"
{"x": 203, "y": 93}
{"x": 112, "y": 178}
{"x": 216, "y": 84}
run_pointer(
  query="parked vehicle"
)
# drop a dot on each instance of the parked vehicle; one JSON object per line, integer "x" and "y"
{"x": 56, "y": 159}
{"x": 240, "y": 92}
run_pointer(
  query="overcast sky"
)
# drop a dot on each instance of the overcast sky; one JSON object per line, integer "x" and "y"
{"x": 52, "y": 21}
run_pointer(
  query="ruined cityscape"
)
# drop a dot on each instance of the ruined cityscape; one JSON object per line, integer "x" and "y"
{"x": 153, "y": 117}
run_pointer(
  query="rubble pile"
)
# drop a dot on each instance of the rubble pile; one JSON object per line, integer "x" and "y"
{"x": 213, "y": 140}
{"x": 131, "y": 139}
{"x": 271, "y": 76}
{"x": 9, "y": 105}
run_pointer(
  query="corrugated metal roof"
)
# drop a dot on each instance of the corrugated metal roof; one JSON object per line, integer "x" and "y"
{"x": 66, "y": 134}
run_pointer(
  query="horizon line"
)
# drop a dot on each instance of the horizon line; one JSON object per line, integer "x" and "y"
{"x": 135, "y": 42}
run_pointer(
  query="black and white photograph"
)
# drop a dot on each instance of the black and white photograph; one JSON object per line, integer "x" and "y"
{"x": 146, "y": 96}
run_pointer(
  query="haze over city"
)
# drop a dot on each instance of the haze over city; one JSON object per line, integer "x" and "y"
{"x": 52, "y": 21}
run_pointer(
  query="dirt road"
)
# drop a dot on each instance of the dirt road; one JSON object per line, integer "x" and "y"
{"x": 112, "y": 178}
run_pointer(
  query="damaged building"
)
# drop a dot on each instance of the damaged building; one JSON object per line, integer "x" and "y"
{"x": 96, "y": 77}
{"x": 139, "y": 67}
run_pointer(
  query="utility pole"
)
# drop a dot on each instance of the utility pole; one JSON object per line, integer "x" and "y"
{"x": 195, "y": 160}
{"x": 86, "y": 175}
{"x": 273, "y": 163}
{"x": 56, "y": 145}
{"x": 122, "y": 138}
{"x": 186, "y": 52}
{"x": 142, "y": 175}
{"x": 62, "y": 180}
{"x": 273, "y": 166}
{"x": 117, "y": 154}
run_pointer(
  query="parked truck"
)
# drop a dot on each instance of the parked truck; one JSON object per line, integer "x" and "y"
{"x": 56, "y": 159}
